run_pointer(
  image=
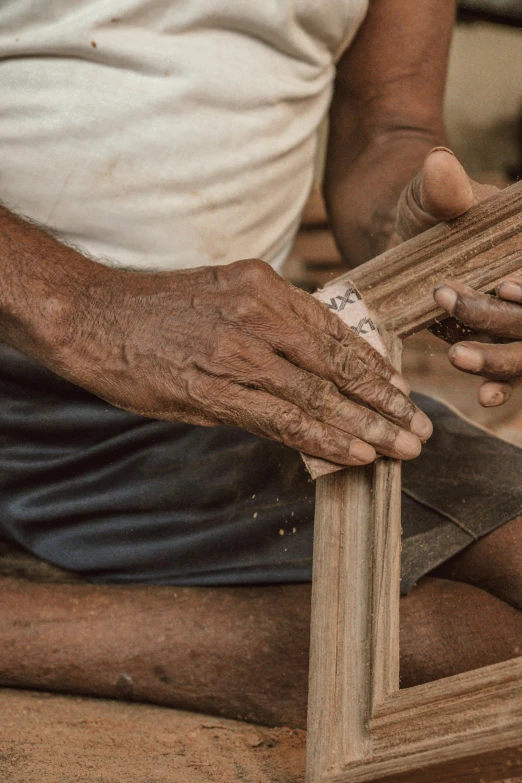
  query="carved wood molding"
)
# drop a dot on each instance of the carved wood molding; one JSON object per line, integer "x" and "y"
{"x": 361, "y": 727}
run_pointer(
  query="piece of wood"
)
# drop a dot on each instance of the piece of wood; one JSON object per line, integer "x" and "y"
{"x": 361, "y": 727}
{"x": 477, "y": 249}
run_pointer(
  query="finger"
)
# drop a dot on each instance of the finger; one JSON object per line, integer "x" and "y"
{"x": 319, "y": 317}
{"x": 325, "y": 358}
{"x": 264, "y": 415}
{"x": 511, "y": 289}
{"x": 495, "y": 393}
{"x": 316, "y": 350}
{"x": 444, "y": 190}
{"x": 441, "y": 191}
{"x": 285, "y": 318}
{"x": 290, "y": 303}
{"x": 497, "y": 362}
{"x": 322, "y": 401}
{"x": 480, "y": 311}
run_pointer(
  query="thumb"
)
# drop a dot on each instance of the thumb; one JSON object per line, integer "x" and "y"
{"x": 441, "y": 191}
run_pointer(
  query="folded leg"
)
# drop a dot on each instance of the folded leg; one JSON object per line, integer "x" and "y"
{"x": 241, "y": 652}
{"x": 493, "y": 563}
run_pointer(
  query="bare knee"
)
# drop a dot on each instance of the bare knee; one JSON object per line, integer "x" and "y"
{"x": 493, "y": 563}
{"x": 450, "y": 627}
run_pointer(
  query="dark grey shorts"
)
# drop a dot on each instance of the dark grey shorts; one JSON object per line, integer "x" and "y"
{"x": 121, "y": 498}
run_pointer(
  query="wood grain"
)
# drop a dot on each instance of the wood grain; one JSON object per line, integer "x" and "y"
{"x": 466, "y": 728}
{"x": 386, "y": 565}
{"x": 339, "y": 632}
{"x": 357, "y": 557}
{"x": 478, "y": 249}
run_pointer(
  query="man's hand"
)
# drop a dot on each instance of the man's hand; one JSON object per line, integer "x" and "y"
{"x": 234, "y": 344}
{"x": 501, "y": 318}
{"x": 441, "y": 191}
{"x": 238, "y": 345}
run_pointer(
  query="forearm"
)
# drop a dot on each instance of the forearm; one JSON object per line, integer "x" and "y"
{"x": 43, "y": 285}
{"x": 386, "y": 115}
{"x": 362, "y": 197}
{"x": 196, "y": 346}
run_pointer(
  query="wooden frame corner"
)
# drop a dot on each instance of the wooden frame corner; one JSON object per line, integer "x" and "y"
{"x": 361, "y": 727}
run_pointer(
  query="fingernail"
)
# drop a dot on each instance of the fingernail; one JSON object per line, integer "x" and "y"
{"x": 466, "y": 358}
{"x": 362, "y": 451}
{"x": 421, "y": 426}
{"x": 440, "y": 149}
{"x": 446, "y": 297}
{"x": 494, "y": 399}
{"x": 511, "y": 291}
{"x": 400, "y": 383}
{"x": 492, "y": 394}
{"x": 407, "y": 445}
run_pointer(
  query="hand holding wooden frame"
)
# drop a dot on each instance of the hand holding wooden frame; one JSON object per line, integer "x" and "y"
{"x": 361, "y": 727}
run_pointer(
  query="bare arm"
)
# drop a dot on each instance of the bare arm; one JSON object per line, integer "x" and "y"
{"x": 386, "y": 115}
{"x": 234, "y": 344}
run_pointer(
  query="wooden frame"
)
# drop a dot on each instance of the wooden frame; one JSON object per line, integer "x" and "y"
{"x": 361, "y": 727}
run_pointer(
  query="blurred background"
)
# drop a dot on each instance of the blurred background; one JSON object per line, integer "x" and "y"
{"x": 484, "y": 122}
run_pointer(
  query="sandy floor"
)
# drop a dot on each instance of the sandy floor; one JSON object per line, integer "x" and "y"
{"x": 58, "y": 739}
{"x": 47, "y": 738}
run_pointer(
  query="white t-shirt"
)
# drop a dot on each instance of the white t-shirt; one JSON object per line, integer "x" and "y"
{"x": 167, "y": 133}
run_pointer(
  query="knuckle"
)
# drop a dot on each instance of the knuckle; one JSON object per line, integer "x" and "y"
{"x": 319, "y": 397}
{"x": 254, "y": 271}
{"x": 250, "y": 308}
{"x": 343, "y": 363}
{"x": 193, "y": 385}
{"x": 228, "y": 349}
{"x": 503, "y": 362}
{"x": 474, "y": 311}
{"x": 391, "y": 401}
{"x": 375, "y": 429}
{"x": 293, "y": 427}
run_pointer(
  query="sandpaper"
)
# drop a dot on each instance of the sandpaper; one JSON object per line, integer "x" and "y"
{"x": 344, "y": 299}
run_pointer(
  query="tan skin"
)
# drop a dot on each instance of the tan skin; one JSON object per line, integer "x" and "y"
{"x": 217, "y": 345}
{"x": 283, "y": 367}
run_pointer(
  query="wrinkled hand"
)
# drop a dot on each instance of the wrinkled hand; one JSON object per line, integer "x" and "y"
{"x": 499, "y": 317}
{"x": 238, "y": 345}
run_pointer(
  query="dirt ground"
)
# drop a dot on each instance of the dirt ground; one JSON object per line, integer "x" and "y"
{"x": 47, "y": 738}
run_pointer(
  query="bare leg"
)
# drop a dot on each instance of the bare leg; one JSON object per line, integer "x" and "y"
{"x": 239, "y": 652}
{"x": 450, "y": 627}
{"x": 493, "y": 563}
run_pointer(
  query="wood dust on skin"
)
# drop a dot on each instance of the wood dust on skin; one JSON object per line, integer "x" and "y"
{"x": 62, "y": 739}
